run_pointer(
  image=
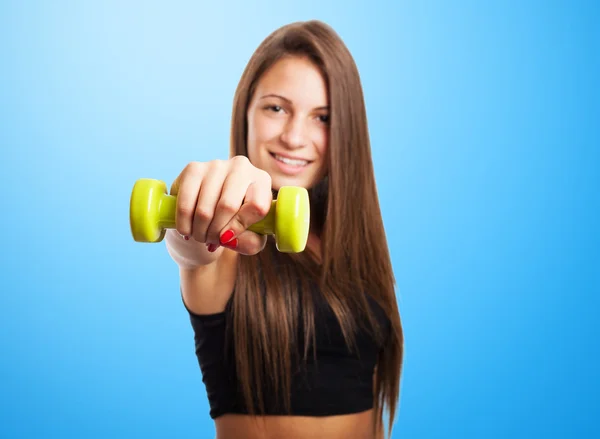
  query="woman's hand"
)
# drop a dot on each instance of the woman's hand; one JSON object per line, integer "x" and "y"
{"x": 218, "y": 200}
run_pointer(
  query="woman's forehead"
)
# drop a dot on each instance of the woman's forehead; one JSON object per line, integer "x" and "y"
{"x": 294, "y": 79}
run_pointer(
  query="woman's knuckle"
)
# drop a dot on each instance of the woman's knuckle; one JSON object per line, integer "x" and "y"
{"x": 265, "y": 176}
{"x": 194, "y": 167}
{"x": 240, "y": 162}
{"x": 203, "y": 213}
{"x": 261, "y": 209}
{"x": 184, "y": 211}
{"x": 227, "y": 206}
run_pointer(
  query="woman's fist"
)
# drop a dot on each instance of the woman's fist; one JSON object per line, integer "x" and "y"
{"x": 218, "y": 200}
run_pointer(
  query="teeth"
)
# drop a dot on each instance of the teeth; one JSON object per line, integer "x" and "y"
{"x": 291, "y": 161}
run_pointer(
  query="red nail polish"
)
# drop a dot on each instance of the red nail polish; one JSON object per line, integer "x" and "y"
{"x": 212, "y": 247}
{"x": 187, "y": 238}
{"x": 231, "y": 244}
{"x": 226, "y": 237}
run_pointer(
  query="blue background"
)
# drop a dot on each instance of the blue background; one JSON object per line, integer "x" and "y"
{"x": 484, "y": 119}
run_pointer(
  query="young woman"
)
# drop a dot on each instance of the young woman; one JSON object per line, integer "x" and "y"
{"x": 292, "y": 345}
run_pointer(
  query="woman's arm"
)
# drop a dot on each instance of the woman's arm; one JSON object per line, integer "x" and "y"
{"x": 216, "y": 202}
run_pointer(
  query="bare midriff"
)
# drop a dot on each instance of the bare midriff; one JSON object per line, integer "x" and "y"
{"x": 353, "y": 426}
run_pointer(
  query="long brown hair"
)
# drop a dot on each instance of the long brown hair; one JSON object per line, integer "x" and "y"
{"x": 346, "y": 216}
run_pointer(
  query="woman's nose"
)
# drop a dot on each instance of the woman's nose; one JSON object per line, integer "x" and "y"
{"x": 294, "y": 134}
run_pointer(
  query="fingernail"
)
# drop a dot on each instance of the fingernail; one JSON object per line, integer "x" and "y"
{"x": 212, "y": 247}
{"x": 187, "y": 238}
{"x": 231, "y": 244}
{"x": 226, "y": 237}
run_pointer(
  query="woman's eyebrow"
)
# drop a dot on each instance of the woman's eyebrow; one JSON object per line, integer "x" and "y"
{"x": 273, "y": 95}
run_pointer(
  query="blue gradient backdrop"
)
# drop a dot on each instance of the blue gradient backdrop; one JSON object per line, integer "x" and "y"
{"x": 485, "y": 129}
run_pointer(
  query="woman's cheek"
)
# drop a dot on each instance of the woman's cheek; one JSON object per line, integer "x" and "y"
{"x": 268, "y": 129}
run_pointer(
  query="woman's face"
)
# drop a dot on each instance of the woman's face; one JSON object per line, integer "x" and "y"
{"x": 288, "y": 123}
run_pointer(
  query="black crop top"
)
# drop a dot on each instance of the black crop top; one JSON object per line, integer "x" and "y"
{"x": 340, "y": 383}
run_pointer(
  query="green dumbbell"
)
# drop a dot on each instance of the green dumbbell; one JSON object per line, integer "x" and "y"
{"x": 152, "y": 211}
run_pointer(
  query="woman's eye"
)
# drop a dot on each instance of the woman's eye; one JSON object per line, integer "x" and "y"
{"x": 324, "y": 118}
{"x": 275, "y": 108}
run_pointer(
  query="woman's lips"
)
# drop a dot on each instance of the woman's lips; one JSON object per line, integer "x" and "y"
{"x": 288, "y": 165}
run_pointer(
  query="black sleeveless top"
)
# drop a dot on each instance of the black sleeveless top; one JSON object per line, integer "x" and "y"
{"x": 339, "y": 382}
